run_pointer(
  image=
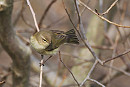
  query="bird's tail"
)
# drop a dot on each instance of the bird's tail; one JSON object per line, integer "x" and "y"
{"x": 71, "y": 37}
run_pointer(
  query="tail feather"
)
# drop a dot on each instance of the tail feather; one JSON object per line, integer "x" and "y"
{"x": 71, "y": 37}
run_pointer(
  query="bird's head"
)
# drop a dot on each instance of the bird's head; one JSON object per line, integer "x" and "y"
{"x": 40, "y": 40}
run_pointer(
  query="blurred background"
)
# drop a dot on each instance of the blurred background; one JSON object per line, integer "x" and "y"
{"x": 107, "y": 40}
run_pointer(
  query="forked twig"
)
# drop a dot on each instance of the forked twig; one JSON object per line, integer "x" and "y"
{"x": 88, "y": 76}
{"x": 46, "y": 60}
{"x": 113, "y": 4}
{"x": 86, "y": 43}
{"x": 103, "y": 18}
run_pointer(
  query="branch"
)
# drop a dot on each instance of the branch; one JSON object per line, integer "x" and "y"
{"x": 88, "y": 76}
{"x": 96, "y": 13}
{"x": 122, "y": 70}
{"x": 41, "y": 66}
{"x": 18, "y": 51}
{"x": 119, "y": 71}
{"x": 113, "y": 4}
{"x": 97, "y": 82}
{"x": 44, "y": 14}
{"x": 34, "y": 17}
{"x": 109, "y": 59}
{"x": 41, "y": 69}
{"x": 84, "y": 41}
{"x": 68, "y": 69}
{"x": 82, "y": 30}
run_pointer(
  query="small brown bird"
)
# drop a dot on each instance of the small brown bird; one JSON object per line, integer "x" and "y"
{"x": 47, "y": 41}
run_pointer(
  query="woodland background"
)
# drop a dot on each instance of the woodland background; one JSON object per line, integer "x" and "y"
{"x": 19, "y": 63}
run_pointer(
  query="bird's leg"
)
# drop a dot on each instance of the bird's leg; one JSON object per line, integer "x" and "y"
{"x": 45, "y": 60}
{"x": 42, "y": 56}
{"x": 48, "y": 58}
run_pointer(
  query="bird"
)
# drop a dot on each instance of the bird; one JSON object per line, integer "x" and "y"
{"x": 47, "y": 42}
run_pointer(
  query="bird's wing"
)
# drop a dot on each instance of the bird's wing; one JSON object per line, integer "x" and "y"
{"x": 57, "y": 38}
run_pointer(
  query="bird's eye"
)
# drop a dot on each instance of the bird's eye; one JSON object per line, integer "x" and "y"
{"x": 44, "y": 40}
{"x": 58, "y": 33}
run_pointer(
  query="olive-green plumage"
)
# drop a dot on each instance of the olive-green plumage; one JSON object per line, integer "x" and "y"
{"x": 47, "y": 41}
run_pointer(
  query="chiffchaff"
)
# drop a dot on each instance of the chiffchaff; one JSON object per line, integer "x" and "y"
{"x": 47, "y": 41}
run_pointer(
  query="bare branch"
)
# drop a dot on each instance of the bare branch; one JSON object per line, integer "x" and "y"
{"x": 26, "y": 22}
{"x": 41, "y": 69}
{"x": 16, "y": 49}
{"x": 96, "y": 13}
{"x": 34, "y": 17}
{"x": 119, "y": 70}
{"x": 44, "y": 14}
{"x": 84, "y": 41}
{"x": 82, "y": 30}
{"x": 113, "y": 4}
{"x": 68, "y": 69}
{"x": 109, "y": 59}
{"x": 97, "y": 82}
{"x": 88, "y": 76}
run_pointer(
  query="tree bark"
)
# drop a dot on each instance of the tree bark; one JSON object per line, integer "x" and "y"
{"x": 18, "y": 51}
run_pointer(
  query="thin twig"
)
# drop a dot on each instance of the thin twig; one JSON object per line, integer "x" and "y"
{"x": 55, "y": 22}
{"x": 88, "y": 76}
{"x": 113, "y": 4}
{"x": 102, "y": 47}
{"x": 109, "y": 59}
{"x": 46, "y": 60}
{"x": 26, "y": 22}
{"x": 63, "y": 79}
{"x": 109, "y": 39}
{"x": 34, "y": 17}
{"x": 103, "y": 18}
{"x": 22, "y": 16}
{"x": 113, "y": 54}
{"x": 119, "y": 70}
{"x": 35, "y": 21}
{"x": 122, "y": 15}
{"x": 81, "y": 28}
{"x": 96, "y": 82}
{"x": 44, "y": 14}
{"x": 84, "y": 8}
{"x": 116, "y": 73}
{"x": 84, "y": 41}
{"x": 68, "y": 69}
{"x": 24, "y": 39}
{"x": 41, "y": 69}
